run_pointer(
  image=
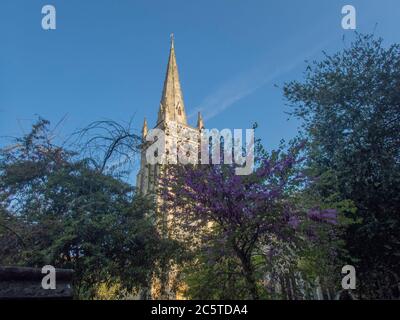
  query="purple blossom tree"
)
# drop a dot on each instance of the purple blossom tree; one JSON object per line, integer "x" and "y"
{"x": 244, "y": 214}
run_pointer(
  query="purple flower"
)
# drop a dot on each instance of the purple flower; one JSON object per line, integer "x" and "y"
{"x": 294, "y": 222}
{"x": 327, "y": 215}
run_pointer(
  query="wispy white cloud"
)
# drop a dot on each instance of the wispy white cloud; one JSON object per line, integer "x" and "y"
{"x": 246, "y": 83}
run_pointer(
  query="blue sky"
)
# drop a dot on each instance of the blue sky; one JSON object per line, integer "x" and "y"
{"x": 107, "y": 58}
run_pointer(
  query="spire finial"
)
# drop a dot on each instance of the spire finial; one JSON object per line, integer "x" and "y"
{"x": 172, "y": 39}
{"x": 200, "y": 122}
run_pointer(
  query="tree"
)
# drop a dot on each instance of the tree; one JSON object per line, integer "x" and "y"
{"x": 350, "y": 106}
{"x": 57, "y": 208}
{"x": 243, "y": 218}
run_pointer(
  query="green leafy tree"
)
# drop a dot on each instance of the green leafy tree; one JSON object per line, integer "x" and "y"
{"x": 350, "y": 106}
{"x": 60, "y": 209}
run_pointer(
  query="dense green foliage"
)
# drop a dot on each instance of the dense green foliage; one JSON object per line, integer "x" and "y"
{"x": 350, "y": 105}
{"x": 57, "y": 209}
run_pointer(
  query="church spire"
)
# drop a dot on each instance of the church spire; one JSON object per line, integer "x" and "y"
{"x": 171, "y": 105}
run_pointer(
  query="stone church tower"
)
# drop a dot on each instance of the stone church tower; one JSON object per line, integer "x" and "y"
{"x": 172, "y": 120}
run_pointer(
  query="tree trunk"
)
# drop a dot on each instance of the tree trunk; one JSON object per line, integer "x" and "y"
{"x": 248, "y": 274}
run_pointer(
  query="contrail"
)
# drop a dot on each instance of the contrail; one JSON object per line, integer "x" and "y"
{"x": 245, "y": 84}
